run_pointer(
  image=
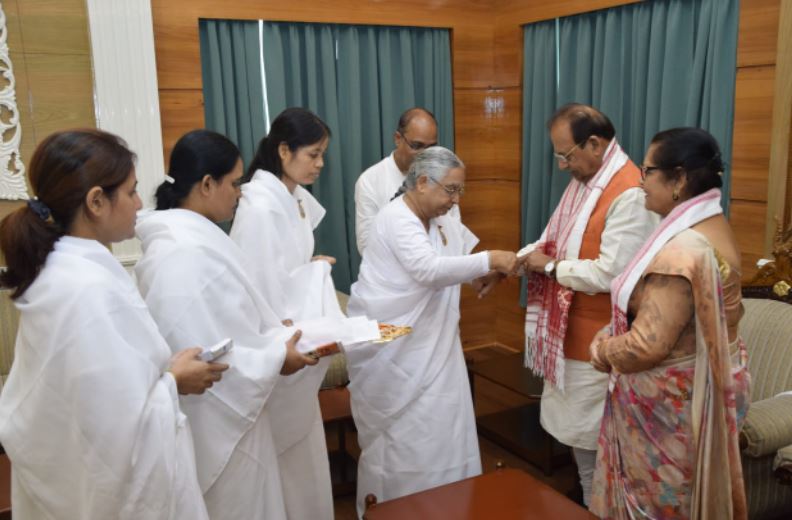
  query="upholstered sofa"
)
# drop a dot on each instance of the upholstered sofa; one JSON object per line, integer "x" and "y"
{"x": 767, "y": 432}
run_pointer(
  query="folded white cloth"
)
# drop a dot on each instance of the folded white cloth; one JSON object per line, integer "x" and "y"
{"x": 347, "y": 331}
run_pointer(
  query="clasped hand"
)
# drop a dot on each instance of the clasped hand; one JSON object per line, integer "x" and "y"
{"x": 598, "y": 361}
{"x": 534, "y": 262}
{"x": 502, "y": 264}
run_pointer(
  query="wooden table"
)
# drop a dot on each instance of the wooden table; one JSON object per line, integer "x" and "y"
{"x": 505, "y": 494}
{"x": 518, "y": 429}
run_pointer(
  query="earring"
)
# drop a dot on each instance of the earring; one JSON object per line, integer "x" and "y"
{"x": 675, "y": 195}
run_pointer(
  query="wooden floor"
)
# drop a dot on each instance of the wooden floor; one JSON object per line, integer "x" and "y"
{"x": 489, "y": 398}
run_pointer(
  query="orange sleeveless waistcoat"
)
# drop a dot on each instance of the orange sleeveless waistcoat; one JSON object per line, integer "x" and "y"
{"x": 589, "y": 313}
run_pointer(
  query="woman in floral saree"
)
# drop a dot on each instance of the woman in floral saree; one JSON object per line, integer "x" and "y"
{"x": 668, "y": 445}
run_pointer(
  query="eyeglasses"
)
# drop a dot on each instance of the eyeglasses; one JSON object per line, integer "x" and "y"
{"x": 564, "y": 157}
{"x": 450, "y": 190}
{"x": 646, "y": 170}
{"x": 416, "y": 146}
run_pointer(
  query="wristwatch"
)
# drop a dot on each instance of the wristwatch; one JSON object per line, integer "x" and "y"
{"x": 549, "y": 268}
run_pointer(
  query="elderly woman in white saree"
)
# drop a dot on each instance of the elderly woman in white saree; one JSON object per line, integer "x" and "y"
{"x": 90, "y": 414}
{"x": 411, "y": 398}
{"x": 274, "y": 226}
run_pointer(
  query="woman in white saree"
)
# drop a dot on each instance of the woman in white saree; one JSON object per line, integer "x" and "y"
{"x": 90, "y": 414}
{"x": 411, "y": 398}
{"x": 274, "y": 226}
{"x": 195, "y": 280}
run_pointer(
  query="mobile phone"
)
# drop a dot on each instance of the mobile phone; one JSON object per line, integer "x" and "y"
{"x": 217, "y": 350}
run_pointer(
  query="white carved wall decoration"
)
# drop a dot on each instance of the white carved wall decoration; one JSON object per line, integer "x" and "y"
{"x": 12, "y": 171}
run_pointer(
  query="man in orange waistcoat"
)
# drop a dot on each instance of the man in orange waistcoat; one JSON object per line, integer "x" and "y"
{"x": 598, "y": 226}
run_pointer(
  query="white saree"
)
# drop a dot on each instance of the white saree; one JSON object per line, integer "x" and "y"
{"x": 194, "y": 279}
{"x": 89, "y": 416}
{"x": 411, "y": 398}
{"x": 275, "y": 229}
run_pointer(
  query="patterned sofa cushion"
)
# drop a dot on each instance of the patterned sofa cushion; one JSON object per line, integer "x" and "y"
{"x": 768, "y": 426}
{"x": 767, "y": 329}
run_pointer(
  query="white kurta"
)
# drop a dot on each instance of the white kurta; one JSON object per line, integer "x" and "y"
{"x": 89, "y": 416}
{"x": 194, "y": 279}
{"x": 278, "y": 239}
{"x": 374, "y": 189}
{"x": 411, "y": 398}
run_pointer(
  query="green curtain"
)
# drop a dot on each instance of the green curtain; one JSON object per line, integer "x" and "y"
{"x": 358, "y": 79}
{"x": 649, "y": 66}
{"x": 655, "y": 65}
{"x": 541, "y": 187}
{"x": 231, "y": 70}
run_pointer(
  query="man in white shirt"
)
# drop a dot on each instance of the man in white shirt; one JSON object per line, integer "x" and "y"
{"x": 597, "y": 228}
{"x": 377, "y": 185}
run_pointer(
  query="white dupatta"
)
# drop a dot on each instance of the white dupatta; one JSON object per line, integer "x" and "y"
{"x": 547, "y": 311}
{"x": 275, "y": 229}
{"x": 195, "y": 281}
{"x": 89, "y": 416}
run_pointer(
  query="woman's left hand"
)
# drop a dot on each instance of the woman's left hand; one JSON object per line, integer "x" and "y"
{"x": 329, "y": 259}
{"x": 594, "y": 349}
{"x": 485, "y": 284}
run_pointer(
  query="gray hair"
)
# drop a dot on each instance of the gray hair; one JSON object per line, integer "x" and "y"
{"x": 433, "y": 162}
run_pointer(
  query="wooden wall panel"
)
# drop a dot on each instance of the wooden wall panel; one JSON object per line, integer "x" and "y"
{"x": 55, "y": 83}
{"x": 477, "y": 318}
{"x": 747, "y": 219}
{"x": 487, "y": 64}
{"x": 472, "y": 52}
{"x": 753, "y": 117}
{"x": 506, "y": 134}
{"x": 513, "y": 14}
{"x": 49, "y": 51}
{"x": 472, "y": 137}
{"x": 180, "y": 112}
{"x": 54, "y": 26}
{"x": 471, "y": 21}
{"x": 487, "y": 132}
{"x": 507, "y": 61}
{"x": 489, "y": 209}
{"x": 753, "y": 107}
{"x": 788, "y": 213}
{"x": 510, "y": 315}
{"x": 756, "y": 44}
{"x": 522, "y": 12}
{"x": 778, "y": 197}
